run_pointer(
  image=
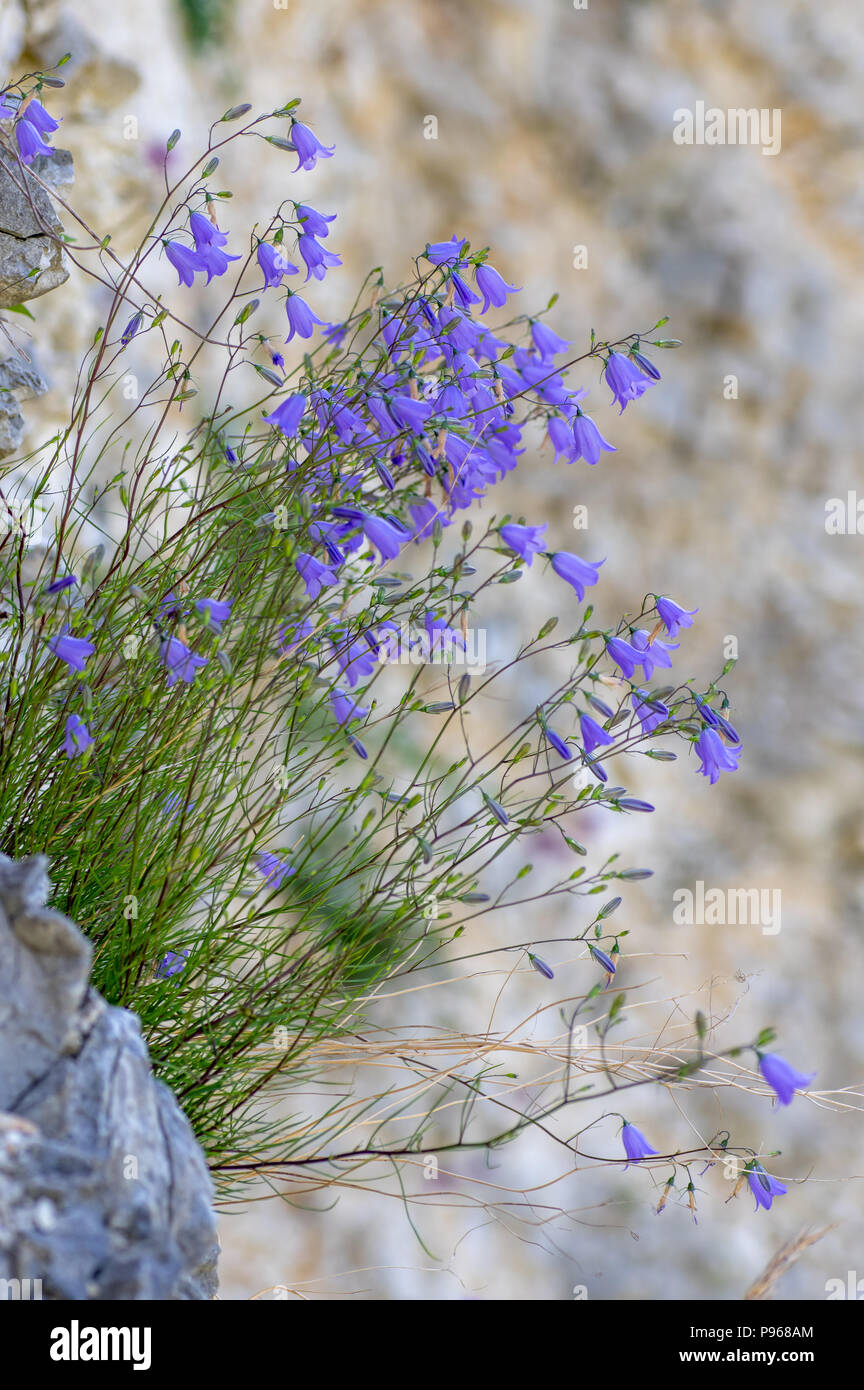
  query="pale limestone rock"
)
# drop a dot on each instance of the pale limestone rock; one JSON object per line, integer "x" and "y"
{"x": 104, "y": 1192}
{"x": 19, "y": 381}
{"x": 32, "y": 260}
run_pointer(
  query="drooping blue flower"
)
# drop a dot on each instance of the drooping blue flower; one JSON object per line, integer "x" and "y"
{"x": 716, "y": 720}
{"x": 650, "y": 712}
{"x": 40, "y": 118}
{"x": 184, "y": 260}
{"x": 273, "y": 264}
{"x": 172, "y": 963}
{"x": 441, "y": 638}
{"x": 214, "y": 260}
{"x": 714, "y": 756}
{"x": 445, "y": 252}
{"x": 536, "y": 374}
{"x": 410, "y": 414}
{"x": 763, "y": 1186}
{"x": 588, "y": 440}
{"x": 654, "y": 653}
{"x": 328, "y": 532}
{"x": 377, "y": 407}
{"x": 492, "y": 411}
{"x": 625, "y": 379}
{"x": 636, "y": 1146}
{"x": 345, "y": 709}
{"x": 317, "y": 258}
{"x": 308, "y": 146}
{"x": 290, "y": 635}
{"x": 783, "y": 1079}
{"x": 561, "y": 436}
{"x": 77, "y": 737}
{"x": 288, "y": 414}
{"x": 8, "y": 106}
{"x": 58, "y": 585}
{"x": 387, "y": 538}
{"x": 30, "y": 142}
{"x": 180, "y": 662}
{"x": 215, "y": 611}
{"x": 348, "y": 424}
{"x": 314, "y": 222}
{"x": 465, "y": 296}
{"x": 75, "y": 651}
{"x": 356, "y": 659}
{"x": 493, "y": 287}
{"x": 527, "y": 541}
{"x": 625, "y": 656}
{"x": 580, "y": 574}
{"x": 593, "y": 734}
{"x": 314, "y": 574}
{"x": 673, "y": 616}
{"x": 301, "y": 319}
{"x": 169, "y": 609}
{"x": 205, "y": 232}
{"x": 273, "y": 868}
{"x": 487, "y": 345}
{"x": 334, "y": 333}
{"x": 396, "y": 334}
{"x": 546, "y": 342}
{"x": 451, "y": 401}
{"x": 424, "y": 514}
{"x": 458, "y": 332}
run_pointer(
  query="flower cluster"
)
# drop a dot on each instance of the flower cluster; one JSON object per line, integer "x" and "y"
{"x": 205, "y": 256}
{"x": 32, "y": 124}
{"x": 784, "y": 1080}
{"x": 231, "y": 731}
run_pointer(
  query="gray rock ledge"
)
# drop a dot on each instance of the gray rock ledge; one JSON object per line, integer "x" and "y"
{"x": 104, "y": 1191}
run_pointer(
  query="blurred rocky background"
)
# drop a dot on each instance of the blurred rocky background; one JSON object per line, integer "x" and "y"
{"x": 552, "y": 141}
